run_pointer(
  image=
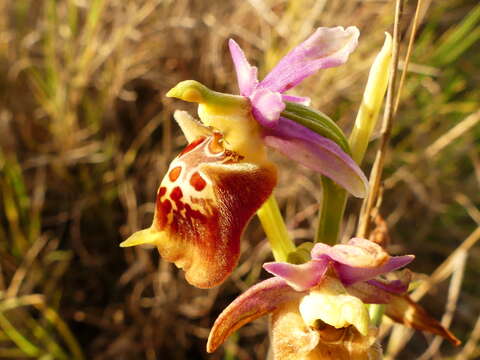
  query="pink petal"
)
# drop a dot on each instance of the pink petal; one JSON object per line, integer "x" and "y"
{"x": 319, "y": 250}
{"x": 299, "y": 277}
{"x": 257, "y": 301}
{"x": 317, "y": 153}
{"x": 350, "y": 275}
{"x": 246, "y": 74}
{"x": 266, "y": 106}
{"x": 327, "y": 47}
{"x": 359, "y": 253}
{"x": 297, "y": 99}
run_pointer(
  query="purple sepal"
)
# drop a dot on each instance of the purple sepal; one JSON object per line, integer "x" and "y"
{"x": 317, "y": 153}
{"x": 325, "y": 48}
{"x": 299, "y": 277}
{"x": 246, "y": 74}
{"x": 399, "y": 284}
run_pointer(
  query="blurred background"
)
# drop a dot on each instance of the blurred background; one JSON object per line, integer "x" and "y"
{"x": 86, "y": 135}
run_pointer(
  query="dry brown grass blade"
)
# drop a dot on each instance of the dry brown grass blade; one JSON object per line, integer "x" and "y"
{"x": 437, "y": 146}
{"x": 448, "y": 266}
{"x": 452, "y": 300}
{"x": 408, "y": 55}
{"x": 22, "y": 271}
{"x": 468, "y": 351}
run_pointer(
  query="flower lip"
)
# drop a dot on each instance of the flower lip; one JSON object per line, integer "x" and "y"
{"x": 205, "y": 184}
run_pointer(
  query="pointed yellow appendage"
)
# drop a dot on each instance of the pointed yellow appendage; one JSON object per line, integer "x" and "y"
{"x": 142, "y": 237}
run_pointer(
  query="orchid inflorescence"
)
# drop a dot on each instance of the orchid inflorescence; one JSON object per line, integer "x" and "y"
{"x": 223, "y": 177}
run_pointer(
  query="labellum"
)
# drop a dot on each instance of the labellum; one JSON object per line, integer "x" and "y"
{"x": 292, "y": 339}
{"x": 203, "y": 204}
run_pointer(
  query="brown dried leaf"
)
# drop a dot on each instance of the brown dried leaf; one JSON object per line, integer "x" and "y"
{"x": 404, "y": 310}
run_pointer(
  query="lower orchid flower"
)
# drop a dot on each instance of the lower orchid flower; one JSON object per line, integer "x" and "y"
{"x": 218, "y": 182}
{"x": 318, "y": 308}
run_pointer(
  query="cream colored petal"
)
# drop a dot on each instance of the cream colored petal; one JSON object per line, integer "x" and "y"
{"x": 331, "y": 303}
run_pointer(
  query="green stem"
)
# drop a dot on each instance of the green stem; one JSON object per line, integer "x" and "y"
{"x": 376, "y": 312}
{"x": 334, "y": 199}
{"x": 275, "y": 229}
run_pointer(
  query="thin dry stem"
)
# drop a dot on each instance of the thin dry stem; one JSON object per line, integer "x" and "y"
{"x": 454, "y": 133}
{"x": 472, "y": 344}
{"x": 452, "y": 301}
{"x": 406, "y": 61}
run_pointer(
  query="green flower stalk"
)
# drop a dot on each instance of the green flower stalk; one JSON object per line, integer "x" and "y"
{"x": 334, "y": 198}
{"x": 275, "y": 229}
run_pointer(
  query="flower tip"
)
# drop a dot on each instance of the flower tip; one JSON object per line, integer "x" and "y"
{"x": 213, "y": 344}
{"x": 388, "y": 40}
{"x": 357, "y": 185}
{"x": 386, "y": 50}
{"x": 232, "y": 43}
{"x": 361, "y": 191}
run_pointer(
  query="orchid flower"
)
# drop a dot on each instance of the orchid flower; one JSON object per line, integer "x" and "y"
{"x": 325, "y": 48}
{"x": 218, "y": 182}
{"x": 319, "y": 307}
